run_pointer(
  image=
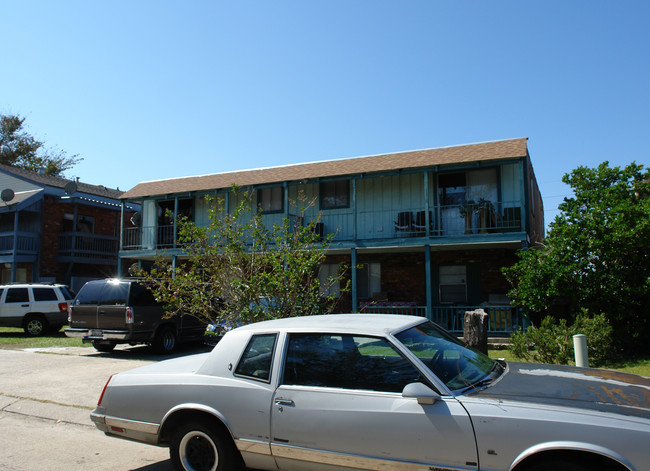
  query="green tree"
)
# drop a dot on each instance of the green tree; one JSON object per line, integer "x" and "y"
{"x": 596, "y": 255}
{"x": 20, "y": 149}
{"x": 237, "y": 270}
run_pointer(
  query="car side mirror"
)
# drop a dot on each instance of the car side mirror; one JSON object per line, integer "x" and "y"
{"x": 423, "y": 393}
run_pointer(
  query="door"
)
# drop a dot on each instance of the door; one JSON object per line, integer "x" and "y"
{"x": 340, "y": 403}
{"x": 16, "y": 305}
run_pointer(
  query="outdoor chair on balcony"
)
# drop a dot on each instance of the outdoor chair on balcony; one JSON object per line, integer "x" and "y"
{"x": 404, "y": 222}
{"x": 420, "y": 223}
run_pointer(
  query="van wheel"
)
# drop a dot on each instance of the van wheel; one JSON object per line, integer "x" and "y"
{"x": 105, "y": 347}
{"x": 165, "y": 340}
{"x": 35, "y": 325}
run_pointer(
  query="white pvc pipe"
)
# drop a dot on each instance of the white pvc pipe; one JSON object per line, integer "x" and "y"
{"x": 580, "y": 349}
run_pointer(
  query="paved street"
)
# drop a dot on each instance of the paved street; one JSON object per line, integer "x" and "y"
{"x": 45, "y": 400}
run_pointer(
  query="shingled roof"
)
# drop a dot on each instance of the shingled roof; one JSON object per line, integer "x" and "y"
{"x": 59, "y": 182}
{"x": 486, "y": 151}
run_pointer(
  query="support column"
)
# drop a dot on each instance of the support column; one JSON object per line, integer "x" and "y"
{"x": 353, "y": 274}
{"x": 428, "y": 281}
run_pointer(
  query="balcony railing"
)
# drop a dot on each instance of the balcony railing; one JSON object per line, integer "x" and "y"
{"x": 26, "y": 242}
{"x": 442, "y": 221}
{"x": 502, "y": 320}
{"x": 81, "y": 247}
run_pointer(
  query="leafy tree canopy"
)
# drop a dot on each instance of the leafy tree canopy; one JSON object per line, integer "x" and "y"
{"x": 596, "y": 255}
{"x": 20, "y": 149}
{"x": 236, "y": 270}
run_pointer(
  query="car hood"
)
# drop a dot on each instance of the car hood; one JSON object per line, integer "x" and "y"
{"x": 566, "y": 386}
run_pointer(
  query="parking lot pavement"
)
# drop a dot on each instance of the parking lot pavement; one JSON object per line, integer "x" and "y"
{"x": 46, "y": 396}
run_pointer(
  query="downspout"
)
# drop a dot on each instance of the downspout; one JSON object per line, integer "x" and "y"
{"x": 121, "y": 241}
{"x": 15, "y": 245}
{"x": 353, "y": 261}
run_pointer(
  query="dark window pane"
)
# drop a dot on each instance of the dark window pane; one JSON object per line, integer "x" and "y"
{"x": 141, "y": 296}
{"x": 17, "y": 295}
{"x": 258, "y": 357}
{"x": 335, "y": 194}
{"x": 44, "y": 294}
{"x": 114, "y": 294}
{"x": 89, "y": 293}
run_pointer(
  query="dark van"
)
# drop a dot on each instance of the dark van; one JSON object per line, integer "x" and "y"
{"x": 112, "y": 311}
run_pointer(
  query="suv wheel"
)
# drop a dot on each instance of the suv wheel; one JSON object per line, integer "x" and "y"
{"x": 165, "y": 340}
{"x": 35, "y": 325}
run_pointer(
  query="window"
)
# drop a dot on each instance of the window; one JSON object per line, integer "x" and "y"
{"x": 335, "y": 194}
{"x": 270, "y": 200}
{"x": 44, "y": 294}
{"x": 85, "y": 224}
{"x": 17, "y": 295}
{"x": 114, "y": 294}
{"x": 347, "y": 361}
{"x": 258, "y": 357}
{"x": 369, "y": 280}
{"x": 453, "y": 284}
{"x": 327, "y": 272}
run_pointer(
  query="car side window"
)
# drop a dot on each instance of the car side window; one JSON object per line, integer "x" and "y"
{"x": 346, "y": 361}
{"x": 44, "y": 294}
{"x": 17, "y": 295}
{"x": 258, "y": 357}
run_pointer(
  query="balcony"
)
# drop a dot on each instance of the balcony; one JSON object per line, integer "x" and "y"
{"x": 81, "y": 247}
{"x": 26, "y": 243}
{"x": 450, "y": 221}
{"x": 502, "y": 320}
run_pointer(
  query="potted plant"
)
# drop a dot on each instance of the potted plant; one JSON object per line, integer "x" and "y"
{"x": 485, "y": 210}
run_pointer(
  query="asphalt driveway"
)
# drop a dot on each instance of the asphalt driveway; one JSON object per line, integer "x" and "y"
{"x": 46, "y": 396}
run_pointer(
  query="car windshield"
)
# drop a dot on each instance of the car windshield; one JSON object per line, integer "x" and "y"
{"x": 458, "y": 366}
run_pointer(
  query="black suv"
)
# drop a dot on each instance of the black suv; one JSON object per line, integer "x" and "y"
{"x": 112, "y": 311}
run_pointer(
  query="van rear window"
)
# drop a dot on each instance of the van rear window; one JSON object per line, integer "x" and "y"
{"x": 114, "y": 294}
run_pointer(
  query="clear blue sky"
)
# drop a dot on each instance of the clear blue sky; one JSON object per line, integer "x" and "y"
{"x": 146, "y": 90}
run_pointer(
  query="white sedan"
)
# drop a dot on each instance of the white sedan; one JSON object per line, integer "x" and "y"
{"x": 376, "y": 392}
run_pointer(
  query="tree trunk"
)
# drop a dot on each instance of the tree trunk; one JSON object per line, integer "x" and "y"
{"x": 475, "y": 331}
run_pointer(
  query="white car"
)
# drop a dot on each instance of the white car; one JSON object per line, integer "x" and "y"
{"x": 376, "y": 392}
{"x": 36, "y": 307}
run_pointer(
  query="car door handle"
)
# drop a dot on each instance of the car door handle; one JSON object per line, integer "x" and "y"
{"x": 283, "y": 402}
{"x": 24, "y": 305}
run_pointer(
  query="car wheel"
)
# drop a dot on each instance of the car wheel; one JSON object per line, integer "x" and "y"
{"x": 35, "y": 325}
{"x": 198, "y": 447}
{"x": 104, "y": 347}
{"x": 165, "y": 340}
{"x": 557, "y": 465}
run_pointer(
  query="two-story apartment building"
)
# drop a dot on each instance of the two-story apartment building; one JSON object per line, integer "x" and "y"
{"x": 425, "y": 232}
{"x": 57, "y": 230}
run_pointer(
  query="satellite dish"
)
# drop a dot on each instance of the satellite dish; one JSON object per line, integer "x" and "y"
{"x": 70, "y": 187}
{"x": 136, "y": 218}
{"x": 7, "y": 195}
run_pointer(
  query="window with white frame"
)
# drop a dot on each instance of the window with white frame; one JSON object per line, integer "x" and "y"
{"x": 453, "y": 284}
{"x": 329, "y": 282}
{"x": 270, "y": 200}
{"x": 369, "y": 279}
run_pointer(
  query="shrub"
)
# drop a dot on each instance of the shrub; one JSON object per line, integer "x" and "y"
{"x": 552, "y": 342}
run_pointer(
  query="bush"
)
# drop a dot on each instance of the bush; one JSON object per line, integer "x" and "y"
{"x": 552, "y": 342}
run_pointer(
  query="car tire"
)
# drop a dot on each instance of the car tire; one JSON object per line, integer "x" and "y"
{"x": 558, "y": 465}
{"x": 165, "y": 340}
{"x": 35, "y": 325}
{"x": 104, "y": 347}
{"x": 196, "y": 446}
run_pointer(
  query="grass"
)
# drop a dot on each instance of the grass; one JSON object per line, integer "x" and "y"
{"x": 15, "y": 339}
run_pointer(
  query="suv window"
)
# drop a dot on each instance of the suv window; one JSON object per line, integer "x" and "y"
{"x": 44, "y": 294}
{"x": 89, "y": 293}
{"x": 17, "y": 295}
{"x": 346, "y": 361}
{"x": 66, "y": 292}
{"x": 141, "y": 296}
{"x": 114, "y": 294}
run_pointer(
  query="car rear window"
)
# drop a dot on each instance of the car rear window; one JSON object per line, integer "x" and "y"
{"x": 89, "y": 294}
{"x": 66, "y": 292}
{"x": 17, "y": 295}
{"x": 114, "y": 294}
{"x": 44, "y": 294}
